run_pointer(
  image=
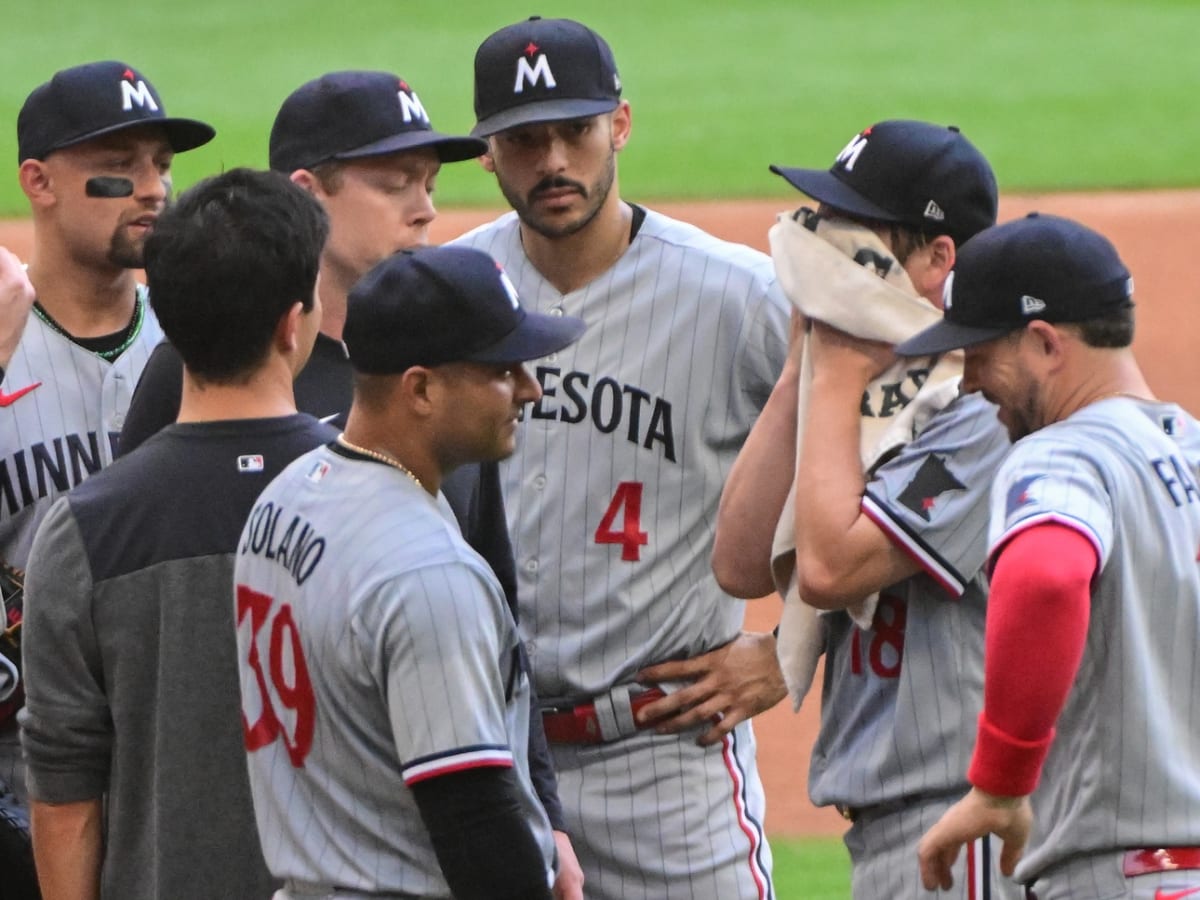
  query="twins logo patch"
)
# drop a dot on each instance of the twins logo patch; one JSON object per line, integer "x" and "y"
{"x": 1018, "y": 493}
{"x": 251, "y": 462}
{"x": 931, "y": 481}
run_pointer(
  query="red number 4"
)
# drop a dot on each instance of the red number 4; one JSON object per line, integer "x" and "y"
{"x": 288, "y": 675}
{"x": 630, "y": 536}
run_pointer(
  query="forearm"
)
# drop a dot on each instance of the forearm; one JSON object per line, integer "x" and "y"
{"x": 754, "y": 494}
{"x": 68, "y": 848}
{"x": 1038, "y": 610}
{"x": 486, "y": 848}
{"x": 829, "y": 489}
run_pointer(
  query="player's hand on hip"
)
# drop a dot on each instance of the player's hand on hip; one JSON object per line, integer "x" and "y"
{"x": 725, "y": 686}
{"x": 16, "y": 299}
{"x": 568, "y": 885}
{"x": 977, "y": 814}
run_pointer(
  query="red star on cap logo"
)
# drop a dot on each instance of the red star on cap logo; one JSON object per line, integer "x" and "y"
{"x": 404, "y": 86}
{"x": 531, "y": 49}
{"x": 129, "y": 74}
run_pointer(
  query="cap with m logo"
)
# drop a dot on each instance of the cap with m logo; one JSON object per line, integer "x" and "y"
{"x": 96, "y": 99}
{"x": 357, "y": 114}
{"x": 543, "y": 70}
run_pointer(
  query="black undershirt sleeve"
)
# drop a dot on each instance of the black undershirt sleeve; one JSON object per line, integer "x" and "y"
{"x": 483, "y": 843}
{"x": 155, "y": 403}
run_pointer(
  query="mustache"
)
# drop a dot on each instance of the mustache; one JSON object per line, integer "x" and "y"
{"x": 556, "y": 182}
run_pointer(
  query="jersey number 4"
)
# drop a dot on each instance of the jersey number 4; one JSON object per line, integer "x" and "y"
{"x": 627, "y": 502}
{"x": 279, "y": 703}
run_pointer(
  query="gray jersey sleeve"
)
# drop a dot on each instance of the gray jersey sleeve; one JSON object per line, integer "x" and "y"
{"x": 1048, "y": 479}
{"x": 930, "y": 499}
{"x": 66, "y": 725}
{"x": 433, "y": 639}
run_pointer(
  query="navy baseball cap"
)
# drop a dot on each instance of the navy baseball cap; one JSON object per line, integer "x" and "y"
{"x": 1039, "y": 267}
{"x": 917, "y": 174}
{"x": 351, "y": 115}
{"x": 543, "y": 70}
{"x": 436, "y": 305}
{"x": 95, "y": 99}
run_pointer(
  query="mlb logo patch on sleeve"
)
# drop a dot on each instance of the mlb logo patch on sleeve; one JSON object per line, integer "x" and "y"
{"x": 251, "y": 462}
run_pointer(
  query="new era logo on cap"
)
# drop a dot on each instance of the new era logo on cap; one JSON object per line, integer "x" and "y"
{"x": 542, "y": 70}
{"x": 933, "y": 211}
{"x": 1031, "y": 306}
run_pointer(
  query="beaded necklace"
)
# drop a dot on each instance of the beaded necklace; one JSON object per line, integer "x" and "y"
{"x": 131, "y": 330}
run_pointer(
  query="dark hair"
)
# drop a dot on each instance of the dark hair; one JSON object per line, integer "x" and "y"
{"x": 226, "y": 261}
{"x": 905, "y": 239}
{"x": 1112, "y": 330}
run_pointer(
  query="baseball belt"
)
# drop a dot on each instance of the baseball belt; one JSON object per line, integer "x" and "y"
{"x": 1166, "y": 859}
{"x": 604, "y": 718}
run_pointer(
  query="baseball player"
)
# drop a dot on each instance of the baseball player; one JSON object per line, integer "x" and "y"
{"x": 362, "y": 143}
{"x": 131, "y": 730}
{"x": 900, "y": 689}
{"x": 1094, "y": 613}
{"x": 95, "y": 147}
{"x": 612, "y": 494}
{"x": 387, "y": 754}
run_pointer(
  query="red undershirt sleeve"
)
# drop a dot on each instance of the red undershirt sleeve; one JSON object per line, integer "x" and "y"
{"x": 1037, "y": 619}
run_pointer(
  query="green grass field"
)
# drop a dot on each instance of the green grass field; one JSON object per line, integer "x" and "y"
{"x": 1060, "y": 94}
{"x": 812, "y": 869}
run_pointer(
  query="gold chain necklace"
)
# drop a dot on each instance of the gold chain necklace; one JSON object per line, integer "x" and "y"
{"x": 386, "y": 458}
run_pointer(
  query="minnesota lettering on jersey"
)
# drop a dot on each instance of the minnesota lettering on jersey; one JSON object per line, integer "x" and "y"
{"x": 58, "y": 465}
{"x": 887, "y": 399}
{"x": 610, "y": 405}
{"x": 297, "y": 548}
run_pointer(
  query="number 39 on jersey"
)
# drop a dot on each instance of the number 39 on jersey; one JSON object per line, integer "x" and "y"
{"x": 277, "y": 693}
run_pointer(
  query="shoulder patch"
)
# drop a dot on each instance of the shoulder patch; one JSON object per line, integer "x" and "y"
{"x": 931, "y": 481}
{"x": 1018, "y": 493}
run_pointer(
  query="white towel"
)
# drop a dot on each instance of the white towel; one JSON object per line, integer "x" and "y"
{"x": 842, "y": 274}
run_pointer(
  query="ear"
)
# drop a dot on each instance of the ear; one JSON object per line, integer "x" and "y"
{"x": 929, "y": 268}
{"x": 35, "y": 182}
{"x": 622, "y": 125}
{"x": 489, "y": 164}
{"x": 1047, "y": 343}
{"x": 307, "y": 180}
{"x": 418, "y": 388}
{"x": 287, "y": 330}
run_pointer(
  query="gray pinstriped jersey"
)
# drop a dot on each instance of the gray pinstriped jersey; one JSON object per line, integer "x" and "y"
{"x": 1124, "y": 769}
{"x": 612, "y": 494}
{"x": 900, "y": 701}
{"x": 411, "y": 653}
{"x": 61, "y": 411}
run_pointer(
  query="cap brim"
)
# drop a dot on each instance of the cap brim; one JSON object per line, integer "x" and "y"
{"x": 182, "y": 134}
{"x": 822, "y": 185}
{"x": 450, "y": 148}
{"x": 945, "y": 336}
{"x": 542, "y": 111}
{"x": 538, "y": 335}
